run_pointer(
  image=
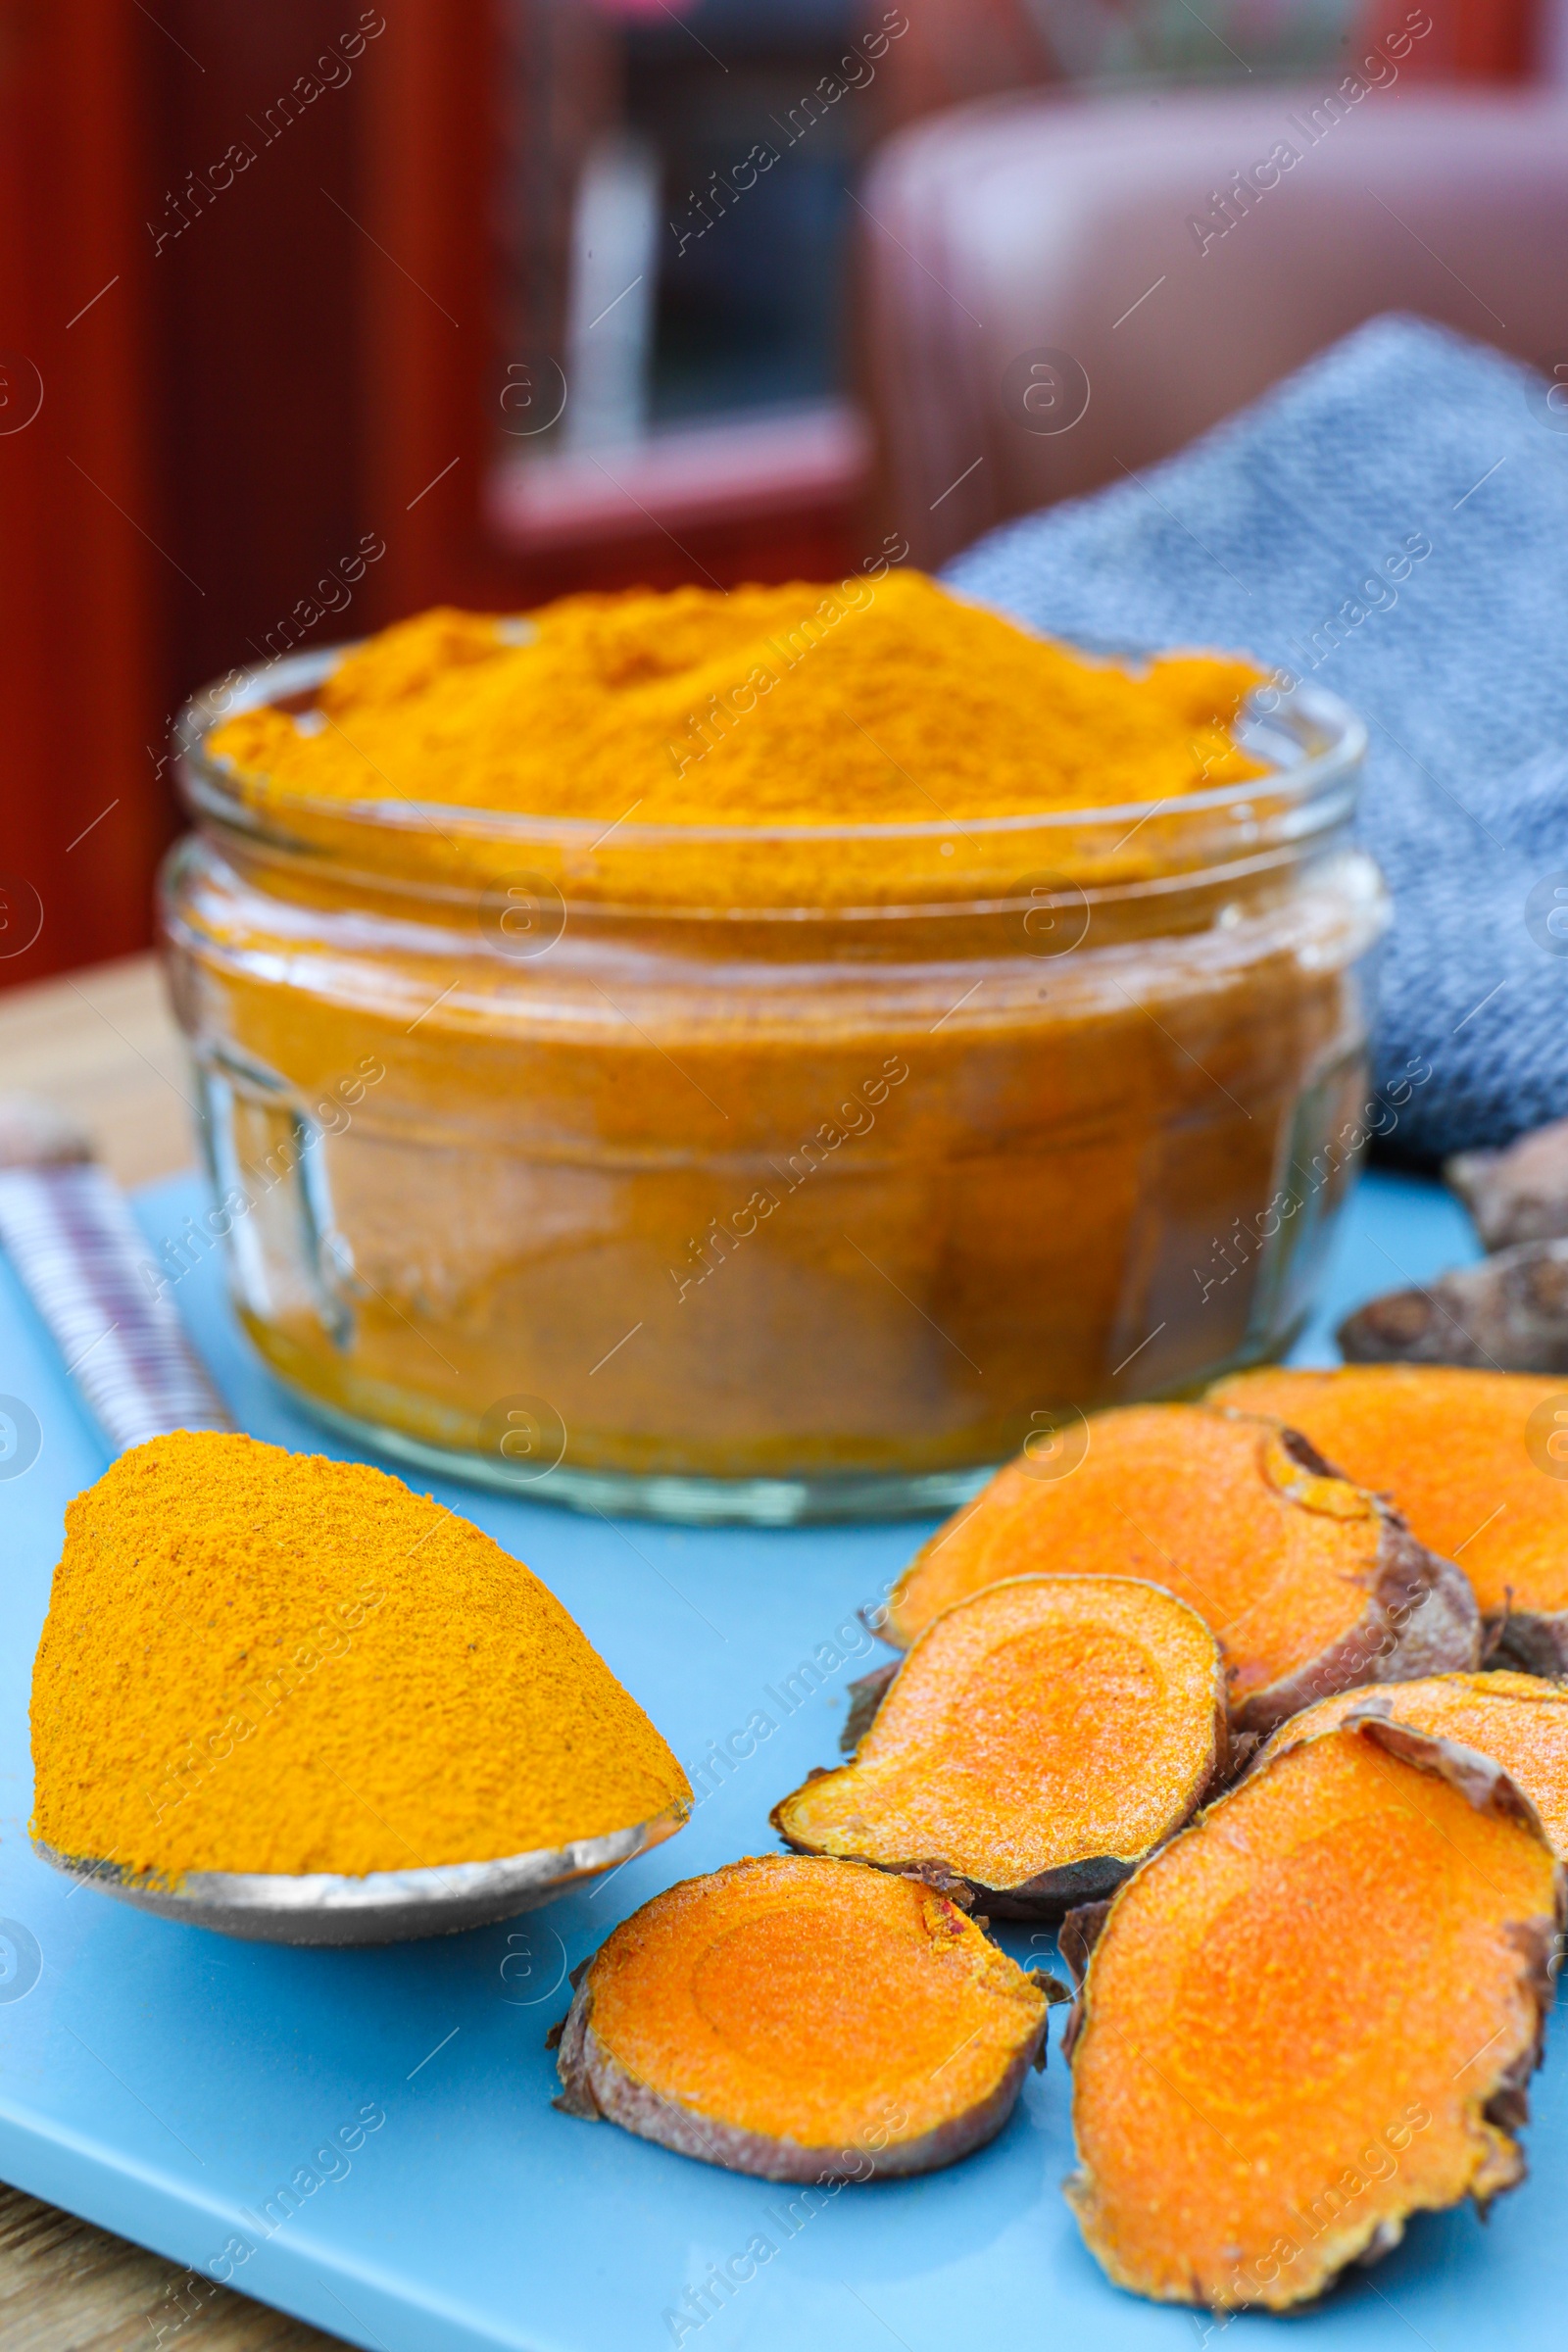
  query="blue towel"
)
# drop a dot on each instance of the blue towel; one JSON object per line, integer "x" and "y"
{"x": 1286, "y": 531}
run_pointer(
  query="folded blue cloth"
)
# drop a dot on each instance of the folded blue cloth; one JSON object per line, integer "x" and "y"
{"x": 1284, "y": 532}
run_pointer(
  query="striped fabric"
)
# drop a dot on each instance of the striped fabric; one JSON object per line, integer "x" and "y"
{"x": 75, "y": 1245}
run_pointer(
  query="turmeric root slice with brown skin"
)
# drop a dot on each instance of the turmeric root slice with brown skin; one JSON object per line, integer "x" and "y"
{"x": 1519, "y": 1720}
{"x": 865, "y": 1698}
{"x": 804, "y": 2020}
{"x": 1311, "y": 2016}
{"x": 1039, "y": 1739}
{"x": 1310, "y": 1584}
{"x": 1471, "y": 1459}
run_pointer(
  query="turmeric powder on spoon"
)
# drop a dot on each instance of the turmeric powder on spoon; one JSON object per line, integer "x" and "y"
{"x": 257, "y": 1660}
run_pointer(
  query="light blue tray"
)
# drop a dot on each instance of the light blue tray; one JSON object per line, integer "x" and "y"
{"x": 166, "y": 2083}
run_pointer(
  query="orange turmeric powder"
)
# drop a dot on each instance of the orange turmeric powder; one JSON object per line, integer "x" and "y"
{"x": 800, "y": 1068}
{"x": 262, "y": 1661}
{"x": 799, "y": 704}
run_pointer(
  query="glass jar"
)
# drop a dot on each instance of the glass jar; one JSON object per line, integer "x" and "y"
{"x": 727, "y": 1173}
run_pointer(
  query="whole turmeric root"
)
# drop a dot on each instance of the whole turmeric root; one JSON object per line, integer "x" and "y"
{"x": 1520, "y": 1195}
{"x": 1311, "y": 1584}
{"x": 1508, "y": 1313}
{"x": 1039, "y": 1741}
{"x": 1476, "y": 1461}
{"x": 1311, "y": 2015}
{"x": 803, "y": 2019}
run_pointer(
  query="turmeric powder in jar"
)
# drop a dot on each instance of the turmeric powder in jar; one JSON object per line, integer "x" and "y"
{"x": 767, "y": 1055}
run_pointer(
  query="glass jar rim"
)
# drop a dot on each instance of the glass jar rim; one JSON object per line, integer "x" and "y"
{"x": 1314, "y": 741}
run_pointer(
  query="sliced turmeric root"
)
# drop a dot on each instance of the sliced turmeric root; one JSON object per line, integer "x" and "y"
{"x": 1309, "y": 1584}
{"x": 803, "y": 2019}
{"x": 1312, "y": 2014}
{"x": 1517, "y": 1720}
{"x": 1039, "y": 1739}
{"x": 1476, "y": 1461}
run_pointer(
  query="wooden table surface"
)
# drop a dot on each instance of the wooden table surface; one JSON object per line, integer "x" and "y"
{"x": 102, "y": 1047}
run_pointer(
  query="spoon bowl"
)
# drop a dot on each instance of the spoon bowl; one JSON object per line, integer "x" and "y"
{"x": 385, "y": 1906}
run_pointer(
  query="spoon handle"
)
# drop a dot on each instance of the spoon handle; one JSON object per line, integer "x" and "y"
{"x": 75, "y": 1248}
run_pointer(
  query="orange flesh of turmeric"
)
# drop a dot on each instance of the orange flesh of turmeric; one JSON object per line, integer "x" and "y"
{"x": 1279, "y": 2055}
{"x": 1207, "y": 1504}
{"x": 1042, "y": 1723}
{"x": 1450, "y": 1448}
{"x": 812, "y": 2001}
{"x": 1519, "y": 1720}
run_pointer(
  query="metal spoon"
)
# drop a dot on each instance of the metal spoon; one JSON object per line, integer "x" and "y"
{"x": 385, "y": 1906}
{"x": 72, "y": 1238}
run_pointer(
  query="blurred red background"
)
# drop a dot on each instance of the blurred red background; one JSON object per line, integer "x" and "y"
{"x": 281, "y": 299}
